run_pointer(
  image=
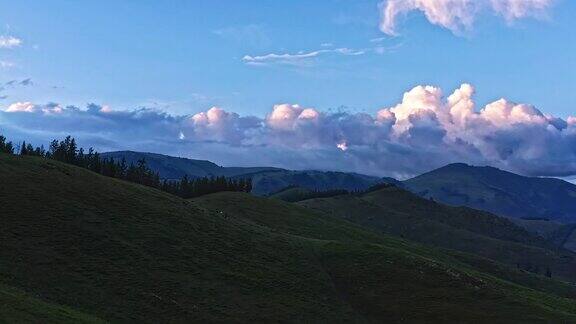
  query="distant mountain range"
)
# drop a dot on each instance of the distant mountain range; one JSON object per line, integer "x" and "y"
{"x": 171, "y": 167}
{"x": 498, "y": 191}
{"x": 265, "y": 180}
{"x": 485, "y": 188}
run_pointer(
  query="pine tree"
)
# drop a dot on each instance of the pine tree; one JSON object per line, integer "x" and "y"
{"x": 6, "y": 147}
{"x": 23, "y": 149}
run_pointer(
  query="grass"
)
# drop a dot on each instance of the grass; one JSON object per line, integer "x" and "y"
{"x": 397, "y": 212}
{"x": 125, "y": 253}
{"x": 337, "y": 235}
{"x": 18, "y": 307}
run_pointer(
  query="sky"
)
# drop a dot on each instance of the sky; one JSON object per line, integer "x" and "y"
{"x": 391, "y": 88}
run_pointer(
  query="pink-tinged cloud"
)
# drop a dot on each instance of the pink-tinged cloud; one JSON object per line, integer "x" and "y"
{"x": 29, "y": 107}
{"x": 459, "y": 15}
{"x": 427, "y": 129}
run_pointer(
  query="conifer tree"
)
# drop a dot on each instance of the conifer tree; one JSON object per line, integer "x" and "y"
{"x": 6, "y": 147}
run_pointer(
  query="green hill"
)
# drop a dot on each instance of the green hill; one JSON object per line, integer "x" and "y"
{"x": 398, "y": 212}
{"x": 499, "y": 192}
{"x": 127, "y": 253}
{"x": 270, "y": 182}
{"x": 294, "y": 194}
{"x": 18, "y": 307}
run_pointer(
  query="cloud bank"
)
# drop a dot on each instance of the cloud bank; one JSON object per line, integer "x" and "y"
{"x": 425, "y": 130}
{"x": 459, "y": 15}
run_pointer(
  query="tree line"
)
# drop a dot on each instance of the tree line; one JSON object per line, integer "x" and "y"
{"x": 188, "y": 188}
{"x": 67, "y": 151}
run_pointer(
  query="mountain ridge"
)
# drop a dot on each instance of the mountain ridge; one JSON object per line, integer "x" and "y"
{"x": 265, "y": 180}
{"x": 498, "y": 191}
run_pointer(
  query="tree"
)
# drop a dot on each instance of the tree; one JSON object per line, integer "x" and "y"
{"x": 23, "y": 149}
{"x": 6, "y": 147}
{"x": 67, "y": 151}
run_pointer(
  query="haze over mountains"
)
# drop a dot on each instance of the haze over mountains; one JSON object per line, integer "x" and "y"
{"x": 486, "y": 188}
{"x": 265, "y": 180}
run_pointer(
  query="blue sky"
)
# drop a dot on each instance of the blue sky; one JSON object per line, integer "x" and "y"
{"x": 188, "y": 54}
{"x": 181, "y": 58}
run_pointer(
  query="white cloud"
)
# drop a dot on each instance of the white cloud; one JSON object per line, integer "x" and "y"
{"x": 425, "y": 130}
{"x": 9, "y": 42}
{"x": 286, "y": 116}
{"x": 28, "y": 107}
{"x": 6, "y": 64}
{"x": 518, "y": 9}
{"x": 300, "y": 58}
{"x": 459, "y": 15}
{"x": 21, "y": 107}
{"x": 252, "y": 34}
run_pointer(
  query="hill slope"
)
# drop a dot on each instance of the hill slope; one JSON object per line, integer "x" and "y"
{"x": 271, "y": 182}
{"x": 18, "y": 307}
{"x": 127, "y": 253}
{"x": 499, "y": 192}
{"x": 396, "y": 211}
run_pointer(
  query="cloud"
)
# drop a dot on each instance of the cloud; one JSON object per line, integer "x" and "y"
{"x": 26, "y": 82}
{"x": 252, "y": 34}
{"x": 298, "y": 59}
{"x": 10, "y": 42}
{"x": 28, "y": 107}
{"x": 6, "y": 64}
{"x": 304, "y": 58}
{"x": 12, "y": 84}
{"x": 425, "y": 130}
{"x": 459, "y": 15}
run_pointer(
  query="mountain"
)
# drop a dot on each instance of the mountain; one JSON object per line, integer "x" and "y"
{"x": 171, "y": 167}
{"x": 121, "y": 252}
{"x": 271, "y": 182}
{"x": 499, "y": 192}
{"x": 265, "y": 180}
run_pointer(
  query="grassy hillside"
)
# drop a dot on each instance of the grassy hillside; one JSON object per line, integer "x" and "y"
{"x": 294, "y": 194}
{"x": 18, "y": 307}
{"x": 270, "y": 182}
{"x": 303, "y": 222}
{"x": 558, "y": 234}
{"x": 124, "y": 252}
{"x": 398, "y": 212}
{"x": 499, "y": 192}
